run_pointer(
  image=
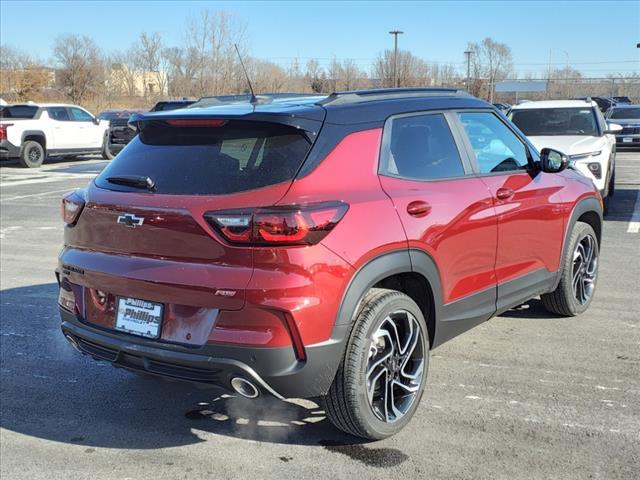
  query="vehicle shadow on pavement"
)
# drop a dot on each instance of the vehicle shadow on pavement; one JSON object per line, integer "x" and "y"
{"x": 622, "y": 205}
{"x": 51, "y": 391}
{"x": 531, "y": 309}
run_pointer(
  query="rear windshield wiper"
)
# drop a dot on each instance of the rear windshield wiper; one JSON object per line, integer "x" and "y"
{"x": 136, "y": 181}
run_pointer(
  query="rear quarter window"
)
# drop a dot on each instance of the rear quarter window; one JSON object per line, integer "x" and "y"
{"x": 18, "y": 111}
{"x": 235, "y": 157}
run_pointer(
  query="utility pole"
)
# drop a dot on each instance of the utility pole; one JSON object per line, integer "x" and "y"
{"x": 395, "y": 34}
{"x": 468, "y": 55}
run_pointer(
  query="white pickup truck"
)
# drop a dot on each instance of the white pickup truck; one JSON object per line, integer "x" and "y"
{"x": 32, "y": 132}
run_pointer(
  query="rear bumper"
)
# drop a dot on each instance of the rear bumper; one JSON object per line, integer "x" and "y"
{"x": 274, "y": 371}
{"x": 8, "y": 150}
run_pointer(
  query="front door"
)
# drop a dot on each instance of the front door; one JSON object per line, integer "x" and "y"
{"x": 89, "y": 135}
{"x": 528, "y": 206}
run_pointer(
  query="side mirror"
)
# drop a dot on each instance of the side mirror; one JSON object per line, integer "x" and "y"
{"x": 553, "y": 161}
{"x": 96, "y": 120}
{"x": 613, "y": 128}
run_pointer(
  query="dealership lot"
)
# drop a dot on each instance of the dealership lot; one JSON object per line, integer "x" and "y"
{"x": 526, "y": 395}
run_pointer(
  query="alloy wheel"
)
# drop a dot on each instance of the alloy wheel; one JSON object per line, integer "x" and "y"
{"x": 585, "y": 269}
{"x": 395, "y": 366}
{"x": 34, "y": 154}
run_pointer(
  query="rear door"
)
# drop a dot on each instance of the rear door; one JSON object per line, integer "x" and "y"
{"x": 446, "y": 211}
{"x": 528, "y": 205}
{"x": 63, "y": 128}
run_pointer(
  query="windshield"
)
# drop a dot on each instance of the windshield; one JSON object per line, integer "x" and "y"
{"x": 18, "y": 111}
{"x": 625, "y": 113}
{"x": 212, "y": 159}
{"x": 555, "y": 121}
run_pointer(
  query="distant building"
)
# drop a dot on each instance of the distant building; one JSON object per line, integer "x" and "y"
{"x": 137, "y": 83}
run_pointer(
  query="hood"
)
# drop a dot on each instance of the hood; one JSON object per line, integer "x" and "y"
{"x": 627, "y": 122}
{"x": 569, "y": 144}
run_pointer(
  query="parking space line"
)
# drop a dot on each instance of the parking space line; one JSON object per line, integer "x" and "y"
{"x": 634, "y": 223}
{"x": 35, "y": 195}
{"x": 61, "y": 178}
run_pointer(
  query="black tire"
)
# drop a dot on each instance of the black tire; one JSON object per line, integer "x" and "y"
{"x": 106, "y": 151}
{"x": 612, "y": 184}
{"x": 347, "y": 403}
{"x": 32, "y": 154}
{"x": 564, "y": 299}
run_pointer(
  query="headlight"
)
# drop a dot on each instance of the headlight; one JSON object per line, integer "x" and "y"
{"x": 581, "y": 156}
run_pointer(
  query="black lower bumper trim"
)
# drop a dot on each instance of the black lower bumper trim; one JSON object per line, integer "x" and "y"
{"x": 274, "y": 371}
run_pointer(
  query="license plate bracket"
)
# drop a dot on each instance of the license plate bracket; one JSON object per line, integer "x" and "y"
{"x": 139, "y": 317}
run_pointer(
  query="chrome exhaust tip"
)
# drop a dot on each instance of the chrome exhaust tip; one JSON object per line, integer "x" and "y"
{"x": 244, "y": 387}
{"x": 73, "y": 342}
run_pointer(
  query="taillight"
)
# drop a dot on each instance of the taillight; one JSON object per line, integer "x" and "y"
{"x": 72, "y": 205}
{"x": 283, "y": 225}
{"x": 3, "y": 130}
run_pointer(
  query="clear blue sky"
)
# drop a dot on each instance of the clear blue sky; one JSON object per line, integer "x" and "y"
{"x": 597, "y": 31}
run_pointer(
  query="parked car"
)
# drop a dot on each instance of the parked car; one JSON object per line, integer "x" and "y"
{"x": 578, "y": 129}
{"x": 623, "y": 100}
{"x": 628, "y": 117}
{"x": 235, "y": 245}
{"x": 120, "y": 133}
{"x": 165, "y": 105}
{"x": 604, "y": 103}
{"x": 109, "y": 115}
{"x": 32, "y": 132}
{"x": 503, "y": 107}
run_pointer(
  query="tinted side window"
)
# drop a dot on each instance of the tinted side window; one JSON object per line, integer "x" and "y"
{"x": 80, "y": 115}
{"x": 496, "y": 147}
{"x": 422, "y": 147}
{"x": 58, "y": 113}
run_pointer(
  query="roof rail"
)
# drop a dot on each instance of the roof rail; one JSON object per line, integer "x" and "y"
{"x": 355, "y": 96}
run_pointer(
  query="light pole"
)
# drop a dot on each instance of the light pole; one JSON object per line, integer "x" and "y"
{"x": 395, "y": 34}
{"x": 467, "y": 53}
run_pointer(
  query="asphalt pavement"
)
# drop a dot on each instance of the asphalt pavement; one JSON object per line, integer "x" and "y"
{"x": 525, "y": 395}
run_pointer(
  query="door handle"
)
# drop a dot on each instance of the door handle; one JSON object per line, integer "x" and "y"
{"x": 504, "y": 193}
{"x": 418, "y": 208}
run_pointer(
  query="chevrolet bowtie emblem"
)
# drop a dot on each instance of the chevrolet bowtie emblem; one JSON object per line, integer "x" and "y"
{"x": 130, "y": 220}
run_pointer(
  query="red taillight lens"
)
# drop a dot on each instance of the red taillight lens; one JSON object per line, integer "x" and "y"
{"x": 3, "y": 130}
{"x": 72, "y": 205}
{"x": 285, "y": 225}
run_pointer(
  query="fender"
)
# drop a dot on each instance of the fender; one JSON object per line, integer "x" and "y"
{"x": 34, "y": 133}
{"x": 589, "y": 204}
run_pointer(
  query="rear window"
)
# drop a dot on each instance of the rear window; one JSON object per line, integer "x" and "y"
{"x": 213, "y": 160}
{"x": 18, "y": 111}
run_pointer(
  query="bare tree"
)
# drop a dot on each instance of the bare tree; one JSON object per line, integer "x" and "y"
{"x": 151, "y": 64}
{"x": 315, "y": 77}
{"x": 211, "y": 37}
{"x": 412, "y": 71}
{"x": 352, "y": 77}
{"x": 491, "y": 62}
{"x": 21, "y": 76}
{"x": 81, "y": 70}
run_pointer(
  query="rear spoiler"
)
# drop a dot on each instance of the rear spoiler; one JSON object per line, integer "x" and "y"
{"x": 308, "y": 119}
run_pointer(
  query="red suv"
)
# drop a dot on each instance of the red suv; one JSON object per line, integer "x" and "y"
{"x": 321, "y": 246}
